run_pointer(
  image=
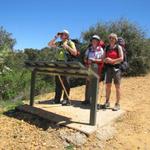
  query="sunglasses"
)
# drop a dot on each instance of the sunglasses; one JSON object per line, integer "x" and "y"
{"x": 64, "y": 34}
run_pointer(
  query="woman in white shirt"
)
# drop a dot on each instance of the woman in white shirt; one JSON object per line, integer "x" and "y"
{"x": 93, "y": 55}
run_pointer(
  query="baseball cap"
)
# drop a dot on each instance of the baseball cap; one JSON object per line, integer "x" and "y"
{"x": 96, "y": 37}
{"x": 64, "y": 31}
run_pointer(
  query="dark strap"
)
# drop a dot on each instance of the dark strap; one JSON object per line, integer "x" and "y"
{"x": 116, "y": 48}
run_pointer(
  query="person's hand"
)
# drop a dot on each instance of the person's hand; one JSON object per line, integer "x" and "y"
{"x": 92, "y": 59}
{"x": 109, "y": 60}
{"x": 57, "y": 35}
{"x": 65, "y": 46}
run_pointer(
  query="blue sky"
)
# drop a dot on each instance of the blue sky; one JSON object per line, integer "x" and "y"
{"x": 34, "y": 22}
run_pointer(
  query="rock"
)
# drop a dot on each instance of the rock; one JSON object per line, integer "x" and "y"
{"x": 66, "y": 144}
{"x": 105, "y": 133}
{"x": 76, "y": 138}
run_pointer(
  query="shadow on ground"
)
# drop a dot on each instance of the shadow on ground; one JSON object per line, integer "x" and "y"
{"x": 41, "y": 118}
{"x": 31, "y": 119}
{"x": 74, "y": 103}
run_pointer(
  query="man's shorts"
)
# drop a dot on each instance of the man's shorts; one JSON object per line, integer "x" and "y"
{"x": 113, "y": 74}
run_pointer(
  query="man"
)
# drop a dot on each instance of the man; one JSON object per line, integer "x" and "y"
{"x": 66, "y": 49}
{"x": 113, "y": 58}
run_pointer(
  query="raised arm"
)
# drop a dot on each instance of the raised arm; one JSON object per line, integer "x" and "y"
{"x": 52, "y": 43}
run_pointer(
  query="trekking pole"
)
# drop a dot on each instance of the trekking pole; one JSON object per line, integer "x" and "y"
{"x": 64, "y": 88}
{"x": 101, "y": 94}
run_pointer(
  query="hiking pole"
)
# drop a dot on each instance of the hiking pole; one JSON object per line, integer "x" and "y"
{"x": 64, "y": 88}
{"x": 101, "y": 95}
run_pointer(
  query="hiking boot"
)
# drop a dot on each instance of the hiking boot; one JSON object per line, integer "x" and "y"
{"x": 106, "y": 105}
{"x": 116, "y": 107}
{"x": 66, "y": 103}
{"x": 86, "y": 102}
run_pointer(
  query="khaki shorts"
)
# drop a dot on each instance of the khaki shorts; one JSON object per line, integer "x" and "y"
{"x": 113, "y": 74}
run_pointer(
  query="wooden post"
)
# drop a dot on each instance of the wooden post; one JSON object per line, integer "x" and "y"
{"x": 87, "y": 90}
{"x": 32, "y": 90}
{"x": 94, "y": 93}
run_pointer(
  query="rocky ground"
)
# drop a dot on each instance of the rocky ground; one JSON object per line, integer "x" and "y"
{"x": 19, "y": 131}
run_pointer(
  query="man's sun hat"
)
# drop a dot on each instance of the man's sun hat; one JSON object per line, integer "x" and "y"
{"x": 113, "y": 35}
{"x": 96, "y": 37}
{"x": 64, "y": 31}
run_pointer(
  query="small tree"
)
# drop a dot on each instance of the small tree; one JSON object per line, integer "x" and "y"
{"x": 6, "y": 42}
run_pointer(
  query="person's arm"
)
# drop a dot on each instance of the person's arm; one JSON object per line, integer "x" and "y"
{"x": 86, "y": 56}
{"x": 52, "y": 43}
{"x": 71, "y": 48}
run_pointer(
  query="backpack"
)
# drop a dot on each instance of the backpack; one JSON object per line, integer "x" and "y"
{"x": 102, "y": 44}
{"x": 71, "y": 57}
{"x": 124, "y": 66}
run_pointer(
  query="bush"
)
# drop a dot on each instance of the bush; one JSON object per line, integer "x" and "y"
{"x": 15, "y": 78}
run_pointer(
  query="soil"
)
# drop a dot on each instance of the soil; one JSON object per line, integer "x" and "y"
{"x": 19, "y": 130}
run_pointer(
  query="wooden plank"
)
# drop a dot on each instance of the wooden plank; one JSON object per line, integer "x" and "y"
{"x": 93, "y": 93}
{"x": 62, "y": 73}
{"x": 73, "y": 65}
{"x": 32, "y": 87}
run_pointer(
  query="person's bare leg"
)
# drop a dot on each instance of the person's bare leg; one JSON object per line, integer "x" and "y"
{"x": 117, "y": 93}
{"x": 108, "y": 91}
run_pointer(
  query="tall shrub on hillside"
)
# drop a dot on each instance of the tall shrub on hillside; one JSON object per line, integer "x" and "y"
{"x": 137, "y": 46}
{"x": 6, "y": 42}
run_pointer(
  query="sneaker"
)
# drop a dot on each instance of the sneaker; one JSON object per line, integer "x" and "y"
{"x": 66, "y": 103}
{"x": 106, "y": 105}
{"x": 86, "y": 102}
{"x": 99, "y": 106}
{"x": 116, "y": 107}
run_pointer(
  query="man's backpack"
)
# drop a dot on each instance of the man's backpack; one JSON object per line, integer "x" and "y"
{"x": 71, "y": 57}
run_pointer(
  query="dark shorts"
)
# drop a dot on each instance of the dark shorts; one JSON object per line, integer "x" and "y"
{"x": 113, "y": 74}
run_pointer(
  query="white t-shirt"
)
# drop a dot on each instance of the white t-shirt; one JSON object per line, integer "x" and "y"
{"x": 94, "y": 53}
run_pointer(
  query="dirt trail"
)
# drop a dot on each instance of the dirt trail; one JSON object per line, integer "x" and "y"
{"x": 134, "y": 127}
{"x": 23, "y": 131}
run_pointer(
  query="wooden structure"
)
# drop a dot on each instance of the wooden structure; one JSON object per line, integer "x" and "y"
{"x": 74, "y": 69}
